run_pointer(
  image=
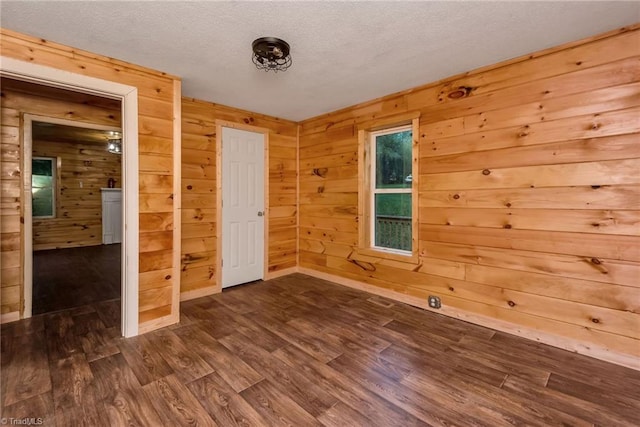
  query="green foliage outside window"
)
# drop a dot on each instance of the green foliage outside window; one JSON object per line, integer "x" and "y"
{"x": 43, "y": 187}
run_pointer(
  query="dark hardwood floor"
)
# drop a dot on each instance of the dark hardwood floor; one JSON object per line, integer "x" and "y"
{"x": 73, "y": 277}
{"x": 298, "y": 351}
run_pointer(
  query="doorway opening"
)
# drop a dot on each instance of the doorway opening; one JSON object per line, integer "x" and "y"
{"x": 76, "y": 213}
{"x": 128, "y": 97}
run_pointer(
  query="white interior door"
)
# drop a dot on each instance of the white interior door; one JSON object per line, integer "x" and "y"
{"x": 242, "y": 206}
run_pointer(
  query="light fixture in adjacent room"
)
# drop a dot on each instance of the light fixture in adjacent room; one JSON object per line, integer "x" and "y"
{"x": 271, "y": 54}
{"x": 114, "y": 143}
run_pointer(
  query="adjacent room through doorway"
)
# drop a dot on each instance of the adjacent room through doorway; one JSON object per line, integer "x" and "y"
{"x": 76, "y": 216}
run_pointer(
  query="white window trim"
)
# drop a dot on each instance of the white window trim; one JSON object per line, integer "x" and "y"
{"x": 54, "y": 186}
{"x": 373, "y": 190}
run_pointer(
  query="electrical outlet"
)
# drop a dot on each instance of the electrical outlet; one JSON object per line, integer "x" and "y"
{"x": 434, "y": 302}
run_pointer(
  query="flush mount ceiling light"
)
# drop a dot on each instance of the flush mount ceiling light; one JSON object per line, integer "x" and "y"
{"x": 271, "y": 54}
{"x": 114, "y": 143}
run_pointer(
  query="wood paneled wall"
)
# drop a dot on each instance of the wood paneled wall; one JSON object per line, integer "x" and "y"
{"x": 157, "y": 108}
{"x": 19, "y": 99}
{"x": 199, "y": 192}
{"x": 84, "y": 169}
{"x": 529, "y": 196}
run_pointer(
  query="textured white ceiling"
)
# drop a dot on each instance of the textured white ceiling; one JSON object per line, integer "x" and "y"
{"x": 343, "y": 52}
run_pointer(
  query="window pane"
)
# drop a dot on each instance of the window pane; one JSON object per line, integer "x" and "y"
{"x": 393, "y": 160}
{"x": 42, "y": 167}
{"x": 42, "y": 188}
{"x": 393, "y": 221}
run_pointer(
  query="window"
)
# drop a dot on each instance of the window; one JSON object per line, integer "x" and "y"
{"x": 43, "y": 187}
{"x": 388, "y": 188}
{"x": 391, "y": 183}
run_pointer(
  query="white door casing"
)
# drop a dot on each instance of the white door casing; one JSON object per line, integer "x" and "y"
{"x": 243, "y": 206}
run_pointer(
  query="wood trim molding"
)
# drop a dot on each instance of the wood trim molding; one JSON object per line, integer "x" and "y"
{"x": 241, "y": 126}
{"x": 266, "y": 208}
{"x": 177, "y": 199}
{"x": 9, "y": 317}
{"x": 297, "y": 195}
{"x": 564, "y": 343}
{"x": 154, "y": 324}
{"x": 390, "y": 121}
{"x": 199, "y": 293}
{"x": 218, "y": 261}
{"x": 281, "y": 273}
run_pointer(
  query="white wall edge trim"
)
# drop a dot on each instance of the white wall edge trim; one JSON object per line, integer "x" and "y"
{"x": 26, "y": 71}
{"x": 597, "y": 352}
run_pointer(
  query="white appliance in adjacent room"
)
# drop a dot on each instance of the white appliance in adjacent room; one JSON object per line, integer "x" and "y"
{"x": 111, "y": 215}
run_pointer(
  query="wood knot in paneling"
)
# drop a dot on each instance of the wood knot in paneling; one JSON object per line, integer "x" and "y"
{"x": 460, "y": 92}
{"x": 486, "y": 172}
{"x": 366, "y": 266}
{"x": 198, "y": 215}
{"x": 598, "y": 264}
{"x": 321, "y": 172}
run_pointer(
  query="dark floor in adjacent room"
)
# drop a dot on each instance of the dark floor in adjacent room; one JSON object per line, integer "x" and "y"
{"x": 73, "y": 277}
{"x": 300, "y": 351}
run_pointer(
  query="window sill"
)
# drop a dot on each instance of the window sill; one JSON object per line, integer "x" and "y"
{"x": 409, "y": 259}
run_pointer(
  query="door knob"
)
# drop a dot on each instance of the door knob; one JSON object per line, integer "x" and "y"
{"x": 260, "y": 213}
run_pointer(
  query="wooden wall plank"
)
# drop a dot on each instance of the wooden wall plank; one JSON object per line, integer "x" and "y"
{"x": 578, "y": 197}
{"x": 574, "y": 151}
{"x": 625, "y": 222}
{"x": 611, "y": 172}
{"x": 588, "y": 245}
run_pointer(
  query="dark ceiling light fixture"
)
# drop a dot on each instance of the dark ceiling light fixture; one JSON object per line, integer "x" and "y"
{"x": 271, "y": 54}
{"x": 114, "y": 143}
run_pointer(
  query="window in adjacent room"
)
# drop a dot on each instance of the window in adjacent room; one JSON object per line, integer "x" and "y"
{"x": 43, "y": 187}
